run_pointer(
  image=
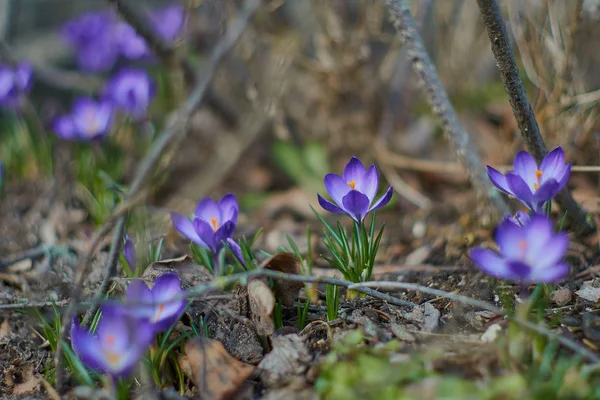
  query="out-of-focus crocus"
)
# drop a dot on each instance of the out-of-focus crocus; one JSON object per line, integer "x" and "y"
{"x": 14, "y": 82}
{"x": 131, "y": 45}
{"x": 130, "y": 252}
{"x": 528, "y": 254}
{"x": 213, "y": 222}
{"x": 118, "y": 344}
{"x": 89, "y": 120}
{"x": 353, "y": 193}
{"x": 93, "y": 37}
{"x": 168, "y": 22}
{"x": 520, "y": 218}
{"x": 532, "y": 185}
{"x": 161, "y": 309}
{"x": 131, "y": 90}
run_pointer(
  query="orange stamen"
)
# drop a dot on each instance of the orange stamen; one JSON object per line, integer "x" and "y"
{"x": 110, "y": 339}
{"x": 352, "y": 184}
{"x": 538, "y": 177}
{"x": 161, "y": 308}
{"x": 215, "y": 223}
{"x": 113, "y": 358}
{"x": 523, "y": 244}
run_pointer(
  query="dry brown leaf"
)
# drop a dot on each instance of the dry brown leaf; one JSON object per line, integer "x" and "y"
{"x": 288, "y": 358}
{"x": 30, "y": 382}
{"x": 285, "y": 291}
{"x": 216, "y": 374}
{"x": 5, "y": 329}
{"x": 262, "y": 303}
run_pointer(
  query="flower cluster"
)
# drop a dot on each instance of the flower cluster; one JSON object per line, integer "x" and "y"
{"x": 213, "y": 225}
{"x": 125, "y": 330}
{"x": 100, "y": 38}
{"x": 530, "y": 250}
{"x": 14, "y": 82}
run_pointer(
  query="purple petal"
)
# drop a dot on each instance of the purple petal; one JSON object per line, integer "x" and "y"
{"x": 383, "y": 200}
{"x": 520, "y": 218}
{"x": 563, "y": 176}
{"x": 236, "y": 250}
{"x": 519, "y": 189}
{"x": 206, "y": 233}
{"x": 229, "y": 208}
{"x": 207, "y": 209}
{"x": 525, "y": 166}
{"x": 546, "y": 192}
{"x": 168, "y": 22}
{"x": 167, "y": 310}
{"x": 538, "y": 232}
{"x": 85, "y": 345}
{"x": 520, "y": 271}
{"x": 489, "y": 262}
{"x": 329, "y": 206}
{"x": 138, "y": 292}
{"x": 225, "y": 232}
{"x": 369, "y": 184}
{"x": 550, "y": 275}
{"x": 23, "y": 74}
{"x": 130, "y": 252}
{"x": 64, "y": 128}
{"x": 511, "y": 240}
{"x": 336, "y": 187}
{"x": 354, "y": 171}
{"x": 553, "y": 163}
{"x": 357, "y": 205}
{"x": 552, "y": 252}
{"x": 498, "y": 179}
{"x": 186, "y": 228}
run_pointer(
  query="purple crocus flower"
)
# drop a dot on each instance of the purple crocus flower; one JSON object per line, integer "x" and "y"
{"x": 131, "y": 90}
{"x": 89, "y": 120}
{"x": 531, "y": 185}
{"x": 529, "y": 253}
{"x": 118, "y": 344}
{"x": 162, "y": 310}
{"x": 168, "y": 22}
{"x": 213, "y": 222}
{"x": 354, "y": 191}
{"x": 131, "y": 45}
{"x": 92, "y": 35}
{"x": 130, "y": 252}
{"x": 14, "y": 82}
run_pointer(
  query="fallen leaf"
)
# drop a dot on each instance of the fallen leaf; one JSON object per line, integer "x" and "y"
{"x": 289, "y": 358}
{"x": 589, "y": 292}
{"x": 285, "y": 291}
{"x": 30, "y": 382}
{"x": 262, "y": 303}
{"x": 5, "y": 329}
{"x": 561, "y": 296}
{"x": 431, "y": 317}
{"x": 216, "y": 374}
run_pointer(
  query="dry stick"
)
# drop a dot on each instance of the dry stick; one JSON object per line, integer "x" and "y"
{"x": 176, "y": 127}
{"x": 507, "y": 65}
{"x": 568, "y": 343}
{"x": 441, "y": 106}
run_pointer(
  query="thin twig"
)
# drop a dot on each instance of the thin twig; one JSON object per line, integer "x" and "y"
{"x": 176, "y": 127}
{"x": 441, "y": 106}
{"x": 34, "y": 304}
{"x": 33, "y": 253}
{"x": 522, "y": 110}
{"x": 568, "y": 343}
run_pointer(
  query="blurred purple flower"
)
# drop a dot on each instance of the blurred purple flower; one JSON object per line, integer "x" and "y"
{"x": 14, "y": 82}
{"x": 213, "y": 222}
{"x": 520, "y": 218}
{"x": 162, "y": 310}
{"x": 131, "y": 90}
{"x": 93, "y": 37}
{"x": 529, "y": 253}
{"x": 118, "y": 344}
{"x": 130, "y": 252}
{"x": 131, "y": 45}
{"x": 531, "y": 185}
{"x": 89, "y": 120}
{"x": 168, "y": 22}
{"x": 354, "y": 191}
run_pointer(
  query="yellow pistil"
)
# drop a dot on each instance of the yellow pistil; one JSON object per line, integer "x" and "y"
{"x": 215, "y": 223}
{"x": 113, "y": 358}
{"x": 538, "y": 177}
{"x": 352, "y": 184}
{"x": 161, "y": 308}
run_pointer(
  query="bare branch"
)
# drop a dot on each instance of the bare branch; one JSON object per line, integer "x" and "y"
{"x": 507, "y": 65}
{"x": 441, "y": 106}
